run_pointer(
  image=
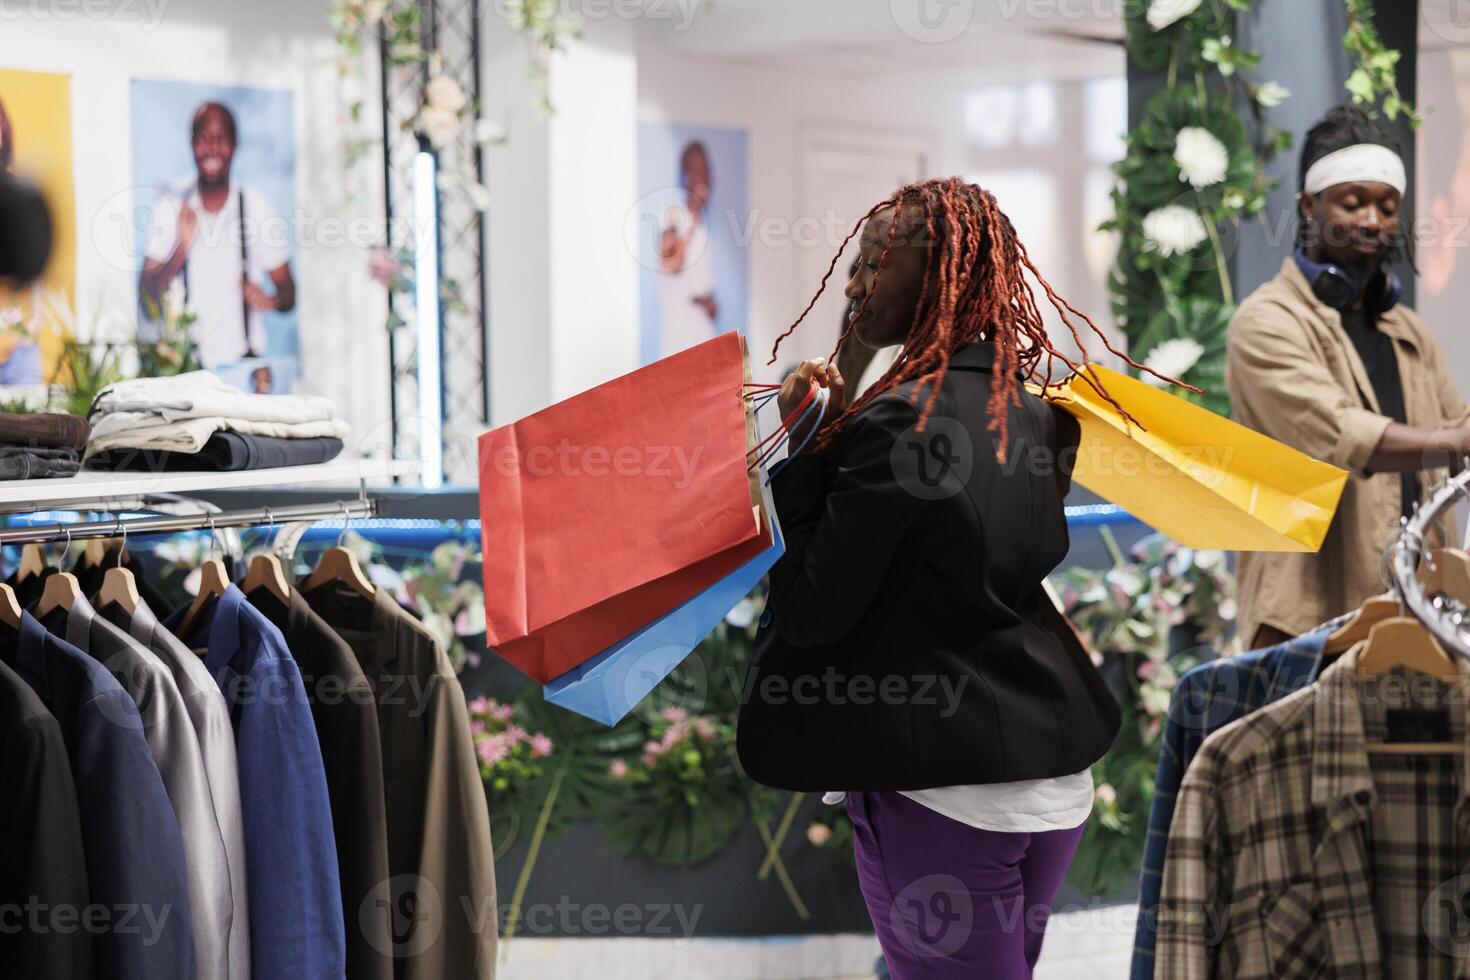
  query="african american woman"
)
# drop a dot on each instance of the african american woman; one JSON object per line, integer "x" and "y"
{"x": 909, "y": 655}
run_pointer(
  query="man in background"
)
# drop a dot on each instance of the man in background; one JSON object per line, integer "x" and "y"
{"x": 1327, "y": 359}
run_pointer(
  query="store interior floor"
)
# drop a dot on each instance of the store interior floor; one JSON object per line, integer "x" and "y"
{"x": 1082, "y": 944}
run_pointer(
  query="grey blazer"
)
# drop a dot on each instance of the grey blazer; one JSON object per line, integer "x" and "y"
{"x": 174, "y": 746}
{"x": 210, "y": 715}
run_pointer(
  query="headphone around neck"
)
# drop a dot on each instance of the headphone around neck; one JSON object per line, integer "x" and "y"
{"x": 1341, "y": 288}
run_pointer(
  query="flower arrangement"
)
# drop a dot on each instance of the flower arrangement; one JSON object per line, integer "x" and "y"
{"x": 172, "y": 351}
{"x": 1149, "y": 618}
{"x": 509, "y": 756}
{"x": 1193, "y": 167}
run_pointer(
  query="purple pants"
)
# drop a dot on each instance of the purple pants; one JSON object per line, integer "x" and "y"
{"x": 950, "y": 900}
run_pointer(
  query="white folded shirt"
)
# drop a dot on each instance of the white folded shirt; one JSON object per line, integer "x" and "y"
{"x": 199, "y": 394}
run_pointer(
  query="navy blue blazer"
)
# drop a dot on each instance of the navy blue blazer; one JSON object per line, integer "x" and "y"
{"x": 134, "y": 854}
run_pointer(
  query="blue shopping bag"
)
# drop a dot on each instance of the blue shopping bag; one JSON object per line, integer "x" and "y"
{"x": 607, "y": 687}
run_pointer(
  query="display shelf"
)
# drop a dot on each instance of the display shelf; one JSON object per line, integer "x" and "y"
{"x": 101, "y": 489}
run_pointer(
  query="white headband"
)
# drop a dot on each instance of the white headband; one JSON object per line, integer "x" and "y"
{"x": 1361, "y": 162}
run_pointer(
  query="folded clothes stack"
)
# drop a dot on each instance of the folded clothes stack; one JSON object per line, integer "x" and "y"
{"x": 39, "y": 445}
{"x": 195, "y": 421}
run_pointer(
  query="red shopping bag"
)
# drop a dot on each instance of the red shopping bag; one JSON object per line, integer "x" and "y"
{"x": 604, "y": 512}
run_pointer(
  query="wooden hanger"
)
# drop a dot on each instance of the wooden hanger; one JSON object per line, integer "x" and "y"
{"x": 213, "y": 580}
{"x": 339, "y": 566}
{"x": 1404, "y": 642}
{"x": 119, "y": 588}
{"x": 32, "y": 562}
{"x": 96, "y": 551}
{"x": 1356, "y": 630}
{"x": 266, "y": 573}
{"x": 60, "y": 592}
{"x": 9, "y": 607}
{"x": 1447, "y": 570}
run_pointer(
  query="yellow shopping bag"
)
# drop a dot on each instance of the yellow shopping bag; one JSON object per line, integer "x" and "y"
{"x": 1204, "y": 480}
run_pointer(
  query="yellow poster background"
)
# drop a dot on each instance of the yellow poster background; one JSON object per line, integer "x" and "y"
{"x": 38, "y": 105}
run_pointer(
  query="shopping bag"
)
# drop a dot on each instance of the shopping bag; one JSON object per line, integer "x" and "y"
{"x": 604, "y": 511}
{"x": 607, "y": 687}
{"x": 1203, "y": 480}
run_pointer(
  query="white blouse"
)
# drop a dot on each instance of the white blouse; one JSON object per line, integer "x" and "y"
{"x": 1025, "y": 806}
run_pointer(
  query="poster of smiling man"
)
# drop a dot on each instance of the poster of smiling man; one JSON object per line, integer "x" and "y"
{"x": 217, "y": 243}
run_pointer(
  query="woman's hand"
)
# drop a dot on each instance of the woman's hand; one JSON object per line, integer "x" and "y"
{"x": 794, "y": 389}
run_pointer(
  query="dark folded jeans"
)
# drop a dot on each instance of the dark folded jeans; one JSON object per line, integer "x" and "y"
{"x": 43, "y": 430}
{"x": 22, "y": 463}
{"x": 223, "y": 452}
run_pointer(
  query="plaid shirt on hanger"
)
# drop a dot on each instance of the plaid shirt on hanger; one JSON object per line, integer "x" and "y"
{"x": 1205, "y": 700}
{"x": 1275, "y": 856}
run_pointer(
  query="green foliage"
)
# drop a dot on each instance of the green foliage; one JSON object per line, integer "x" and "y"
{"x": 1374, "y": 82}
{"x": 1162, "y": 295}
{"x": 82, "y": 371}
{"x": 1134, "y": 615}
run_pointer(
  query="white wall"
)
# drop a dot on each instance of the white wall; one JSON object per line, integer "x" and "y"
{"x": 777, "y": 107}
{"x": 277, "y": 45}
{"x": 1443, "y": 236}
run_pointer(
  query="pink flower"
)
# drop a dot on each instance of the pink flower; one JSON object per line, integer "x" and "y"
{"x": 1106, "y": 795}
{"x": 383, "y": 267}
{"x": 502, "y": 712}
{"x": 477, "y": 727}
{"x": 651, "y": 750}
{"x": 493, "y": 749}
{"x": 516, "y": 734}
{"x": 705, "y": 729}
{"x": 618, "y": 769}
{"x": 540, "y": 746}
{"x": 819, "y": 834}
{"x": 479, "y": 706}
{"x": 675, "y": 714}
{"x": 675, "y": 734}
{"x": 649, "y": 759}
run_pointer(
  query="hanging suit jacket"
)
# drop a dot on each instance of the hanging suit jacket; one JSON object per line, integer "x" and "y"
{"x": 346, "y": 720}
{"x": 210, "y": 718}
{"x": 135, "y": 856}
{"x": 42, "y": 861}
{"x": 295, "y": 893}
{"x": 438, "y": 823}
{"x": 175, "y": 749}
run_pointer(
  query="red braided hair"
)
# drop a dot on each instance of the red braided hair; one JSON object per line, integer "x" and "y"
{"x": 975, "y": 270}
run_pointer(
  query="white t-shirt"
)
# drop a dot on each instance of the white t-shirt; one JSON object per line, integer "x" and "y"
{"x": 1028, "y": 806}
{"x": 682, "y": 322}
{"x": 212, "y": 274}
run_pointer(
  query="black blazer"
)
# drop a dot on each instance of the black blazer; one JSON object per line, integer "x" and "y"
{"x": 907, "y": 641}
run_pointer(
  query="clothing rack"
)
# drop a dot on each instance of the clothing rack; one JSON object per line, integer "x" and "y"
{"x": 1449, "y": 623}
{"x": 127, "y": 527}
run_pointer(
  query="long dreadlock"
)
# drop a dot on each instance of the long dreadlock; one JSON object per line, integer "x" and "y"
{"x": 976, "y": 274}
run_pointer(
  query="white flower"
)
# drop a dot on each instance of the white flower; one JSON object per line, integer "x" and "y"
{"x": 488, "y": 132}
{"x": 1201, "y": 157}
{"x": 440, "y": 125}
{"x": 443, "y": 92}
{"x": 1174, "y": 230}
{"x": 1173, "y": 359}
{"x": 173, "y": 302}
{"x": 1271, "y": 94}
{"x": 11, "y": 316}
{"x": 1162, "y": 13}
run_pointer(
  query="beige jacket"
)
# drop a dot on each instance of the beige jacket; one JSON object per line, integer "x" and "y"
{"x": 1294, "y": 375}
